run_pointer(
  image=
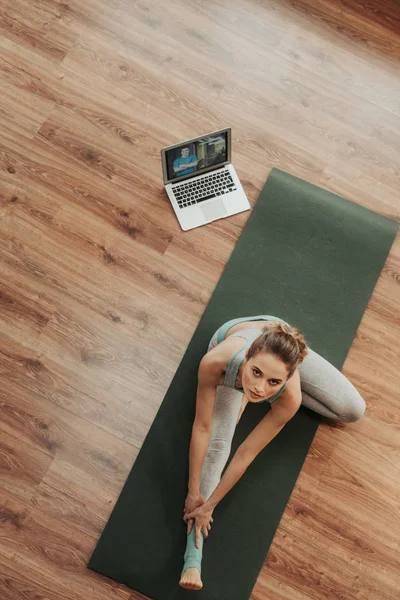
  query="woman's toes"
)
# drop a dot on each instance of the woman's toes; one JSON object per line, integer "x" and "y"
{"x": 191, "y": 580}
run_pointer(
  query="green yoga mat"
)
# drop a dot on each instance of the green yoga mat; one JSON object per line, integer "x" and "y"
{"x": 313, "y": 259}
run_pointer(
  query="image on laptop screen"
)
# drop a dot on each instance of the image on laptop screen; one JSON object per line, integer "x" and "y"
{"x": 195, "y": 156}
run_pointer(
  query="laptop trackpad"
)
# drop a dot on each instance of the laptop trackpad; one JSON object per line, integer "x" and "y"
{"x": 214, "y": 210}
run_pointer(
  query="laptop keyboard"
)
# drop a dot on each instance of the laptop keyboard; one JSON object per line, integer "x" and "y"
{"x": 215, "y": 184}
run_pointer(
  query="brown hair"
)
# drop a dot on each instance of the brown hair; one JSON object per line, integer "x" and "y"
{"x": 285, "y": 342}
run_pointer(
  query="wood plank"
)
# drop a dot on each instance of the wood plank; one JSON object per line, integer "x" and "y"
{"x": 75, "y": 468}
{"x": 44, "y": 556}
{"x": 373, "y": 26}
{"x": 25, "y": 118}
{"x": 36, "y": 28}
{"x": 22, "y": 467}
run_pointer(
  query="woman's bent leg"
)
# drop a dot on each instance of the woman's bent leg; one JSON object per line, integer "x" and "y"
{"x": 327, "y": 391}
{"x": 227, "y": 406}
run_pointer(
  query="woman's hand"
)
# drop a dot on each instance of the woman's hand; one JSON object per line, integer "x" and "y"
{"x": 192, "y": 502}
{"x": 203, "y": 519}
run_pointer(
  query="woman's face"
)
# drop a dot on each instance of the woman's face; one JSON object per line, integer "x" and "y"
{"x": 262, "y": 376}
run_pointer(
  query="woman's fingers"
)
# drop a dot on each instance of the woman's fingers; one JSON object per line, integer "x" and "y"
{"x": 198, "y": 537}
{"x": 189, "y": 527}
{"x": 200, "y": 530}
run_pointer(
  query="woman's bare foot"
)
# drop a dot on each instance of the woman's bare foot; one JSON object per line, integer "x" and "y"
{"x": 191, "y": 579}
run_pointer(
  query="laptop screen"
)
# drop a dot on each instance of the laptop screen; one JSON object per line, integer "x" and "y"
{"x": 196, "y": 155}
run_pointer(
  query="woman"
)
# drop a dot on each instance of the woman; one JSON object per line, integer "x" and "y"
{"x": 267, "y": 360}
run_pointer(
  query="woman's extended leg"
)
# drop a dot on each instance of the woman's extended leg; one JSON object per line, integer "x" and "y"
{"x": 327, "y": 391}
{"x": 227, "y": 407}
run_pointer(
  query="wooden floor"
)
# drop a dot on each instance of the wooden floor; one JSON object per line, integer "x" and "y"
{"x": 101, "y": 291}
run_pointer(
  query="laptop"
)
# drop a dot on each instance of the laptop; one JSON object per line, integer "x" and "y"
{"x": 200, "y": 180}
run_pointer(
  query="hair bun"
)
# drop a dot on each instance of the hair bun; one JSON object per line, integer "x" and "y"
{"x": 293, "y": 332}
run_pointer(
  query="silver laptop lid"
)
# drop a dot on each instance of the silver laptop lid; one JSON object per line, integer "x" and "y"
{"x": 196, "y": 156}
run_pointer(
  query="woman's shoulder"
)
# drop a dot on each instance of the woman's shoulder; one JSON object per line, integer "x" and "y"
{"x": 215, "y": 362}
{"x": 223, "y": 351}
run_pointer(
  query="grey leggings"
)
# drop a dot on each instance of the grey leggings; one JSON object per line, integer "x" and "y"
{"x": 324, "y": 389}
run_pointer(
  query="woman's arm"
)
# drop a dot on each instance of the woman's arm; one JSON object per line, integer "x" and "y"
{"x": 265, "y": 431}
{"x": 280, "y": 413}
